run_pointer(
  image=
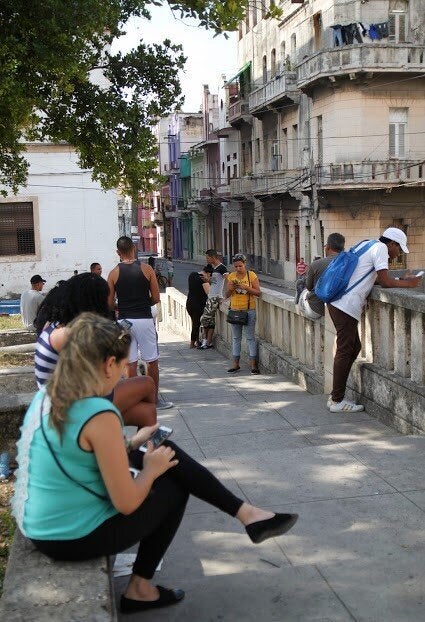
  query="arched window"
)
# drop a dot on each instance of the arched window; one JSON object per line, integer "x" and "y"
{"x": 294, "y": 48}
{"x": 273, "y": 63}
{"x": 264, "y": 69}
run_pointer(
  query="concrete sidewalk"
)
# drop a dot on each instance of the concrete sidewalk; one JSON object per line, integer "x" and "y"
{"x": 357, "y": 551}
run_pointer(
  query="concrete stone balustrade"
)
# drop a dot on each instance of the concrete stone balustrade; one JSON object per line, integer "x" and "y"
{"x": 389, "y": 376}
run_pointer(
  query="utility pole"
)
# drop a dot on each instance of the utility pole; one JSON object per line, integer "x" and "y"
{"x": 317, "y": 234}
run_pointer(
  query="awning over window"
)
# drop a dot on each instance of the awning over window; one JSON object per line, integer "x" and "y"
{"x": 241, "y": 71}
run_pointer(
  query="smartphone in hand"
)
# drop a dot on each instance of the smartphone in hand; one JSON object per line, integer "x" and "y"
{"x": 158, "y": 437}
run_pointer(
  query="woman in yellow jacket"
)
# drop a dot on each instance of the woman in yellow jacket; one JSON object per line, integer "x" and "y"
{"x": 243, "y": 288}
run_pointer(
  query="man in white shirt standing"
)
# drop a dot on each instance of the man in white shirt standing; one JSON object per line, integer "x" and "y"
{"x": 346, "y": 311}
{"x": 31, "y": 300}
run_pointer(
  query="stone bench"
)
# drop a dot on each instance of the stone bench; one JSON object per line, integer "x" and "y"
{"x": 38, "y": 589}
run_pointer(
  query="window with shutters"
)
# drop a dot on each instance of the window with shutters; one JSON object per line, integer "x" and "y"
{"x": 17, "y": 233}
{"x": 397, "y": 132}
{"x": 397, "y": 26}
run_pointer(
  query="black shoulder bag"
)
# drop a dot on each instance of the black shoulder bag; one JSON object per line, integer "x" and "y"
{"x": 239, "y": 317}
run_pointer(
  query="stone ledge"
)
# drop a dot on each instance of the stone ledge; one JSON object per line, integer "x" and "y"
{"x": 38, "y": 589}
{"x": 16, "y": 336}
{"x": 16, "y": 380}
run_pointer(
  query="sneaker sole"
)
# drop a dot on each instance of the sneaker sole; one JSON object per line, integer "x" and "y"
{"x": 346, "y": 410}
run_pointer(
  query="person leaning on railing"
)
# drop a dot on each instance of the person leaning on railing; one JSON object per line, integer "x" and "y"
{"x": 243, "y": 288}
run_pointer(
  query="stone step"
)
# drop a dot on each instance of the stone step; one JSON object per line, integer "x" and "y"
{"x": 21, "y": 347}
{"x": 16, "y": 336}
{"x": 17, "y": 380}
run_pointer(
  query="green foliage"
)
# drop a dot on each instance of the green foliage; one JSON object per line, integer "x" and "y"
{"x": 48, "y": 49}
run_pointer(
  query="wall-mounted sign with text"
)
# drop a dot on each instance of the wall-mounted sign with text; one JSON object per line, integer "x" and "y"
{"x": 59, "y": 240}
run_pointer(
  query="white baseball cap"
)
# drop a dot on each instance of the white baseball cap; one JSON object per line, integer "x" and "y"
{"x": 397, "y": 235}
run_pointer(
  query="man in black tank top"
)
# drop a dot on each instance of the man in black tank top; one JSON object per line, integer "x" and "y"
{"x": 135, "y": 287}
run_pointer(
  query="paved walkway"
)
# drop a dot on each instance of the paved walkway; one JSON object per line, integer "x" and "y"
{"x": 357, "y": 551}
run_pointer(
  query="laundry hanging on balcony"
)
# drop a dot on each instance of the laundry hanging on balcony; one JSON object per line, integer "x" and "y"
{"x": 378, "y": 31}
{"x": 357, "y": 32}
{"x": 348, "y": 34}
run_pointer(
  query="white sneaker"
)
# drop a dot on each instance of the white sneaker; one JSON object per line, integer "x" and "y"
{"x": 329, "y": 402}
{"x": 163, "y": 404}
{"x": 344, "y": 407}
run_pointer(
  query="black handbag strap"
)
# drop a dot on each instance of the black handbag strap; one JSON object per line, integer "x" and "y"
{"x": 56, "y": 459}
{"x": 249, "y": 295}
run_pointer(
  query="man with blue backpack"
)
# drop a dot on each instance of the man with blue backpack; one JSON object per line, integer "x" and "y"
{"x": 344, "y": 286}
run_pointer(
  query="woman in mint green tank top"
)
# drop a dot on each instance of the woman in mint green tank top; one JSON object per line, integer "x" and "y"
{"x": 75, "y": 497}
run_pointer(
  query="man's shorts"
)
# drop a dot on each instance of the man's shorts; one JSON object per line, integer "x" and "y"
{"x": 208, "y": 315}
{"x": 144, "y": 338}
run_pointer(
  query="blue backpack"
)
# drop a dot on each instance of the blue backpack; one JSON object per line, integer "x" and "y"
{"x": 333, "y": 283}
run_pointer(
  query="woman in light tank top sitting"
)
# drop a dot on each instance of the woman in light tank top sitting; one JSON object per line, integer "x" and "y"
{"x": 135, "y": 397}
{"x": 79, "y": 460}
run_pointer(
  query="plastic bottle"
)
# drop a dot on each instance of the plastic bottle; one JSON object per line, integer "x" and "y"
{"x": 4, "y": 465}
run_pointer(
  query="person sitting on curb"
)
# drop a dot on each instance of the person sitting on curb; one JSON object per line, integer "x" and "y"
{"x": 311, "y": 306}
{"x": 346, "y": 312}
{"x": 79, "y": 460}
{"x": 135, "y": 397}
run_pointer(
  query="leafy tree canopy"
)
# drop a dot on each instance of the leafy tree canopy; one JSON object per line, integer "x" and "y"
{"x": 48, "y": 50}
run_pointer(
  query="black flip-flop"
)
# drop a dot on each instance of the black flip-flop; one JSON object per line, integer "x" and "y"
{"x": 233, "y": 370}
{"x": 166, "y": 598}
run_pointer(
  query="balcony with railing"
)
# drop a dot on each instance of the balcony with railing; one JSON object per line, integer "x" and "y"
{"x": 278, "y": 182}
{"x": 361, "y": 58}
{"x": 238, "y": 112}
{"x": 278, "y": 89}
{"x": 371, "y": 173}
{"x": 241, "y": 186}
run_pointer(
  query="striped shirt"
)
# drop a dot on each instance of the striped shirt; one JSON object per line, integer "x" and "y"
{"x": 45, "y": 358}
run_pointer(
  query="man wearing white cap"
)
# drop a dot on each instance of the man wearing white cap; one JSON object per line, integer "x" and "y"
{"x": 372, "y": 267}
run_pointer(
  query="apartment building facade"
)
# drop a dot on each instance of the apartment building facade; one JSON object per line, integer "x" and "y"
{"x": 328, "y": 113}
{"x": 176, "y": 134}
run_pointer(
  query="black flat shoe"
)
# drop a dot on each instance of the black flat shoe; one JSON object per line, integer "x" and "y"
{"x": 166, "y": 598}
{"x": 270, "y": 528}
{"x": 233, "y": 370}
{"x": 255, "y": 370}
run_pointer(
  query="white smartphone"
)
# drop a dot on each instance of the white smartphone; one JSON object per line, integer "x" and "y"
{"x": 421, "y": 273}
{"x": 158, "y": 437}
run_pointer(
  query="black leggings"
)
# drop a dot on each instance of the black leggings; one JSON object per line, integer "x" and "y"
{"x": 195, "y": 313}
{"x": 155, "y": 521}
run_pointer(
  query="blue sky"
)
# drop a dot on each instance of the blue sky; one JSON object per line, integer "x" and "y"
{"x": 207, "y": 57}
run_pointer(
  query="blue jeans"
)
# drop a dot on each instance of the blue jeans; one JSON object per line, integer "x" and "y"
{"x": 249, "y": 335}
